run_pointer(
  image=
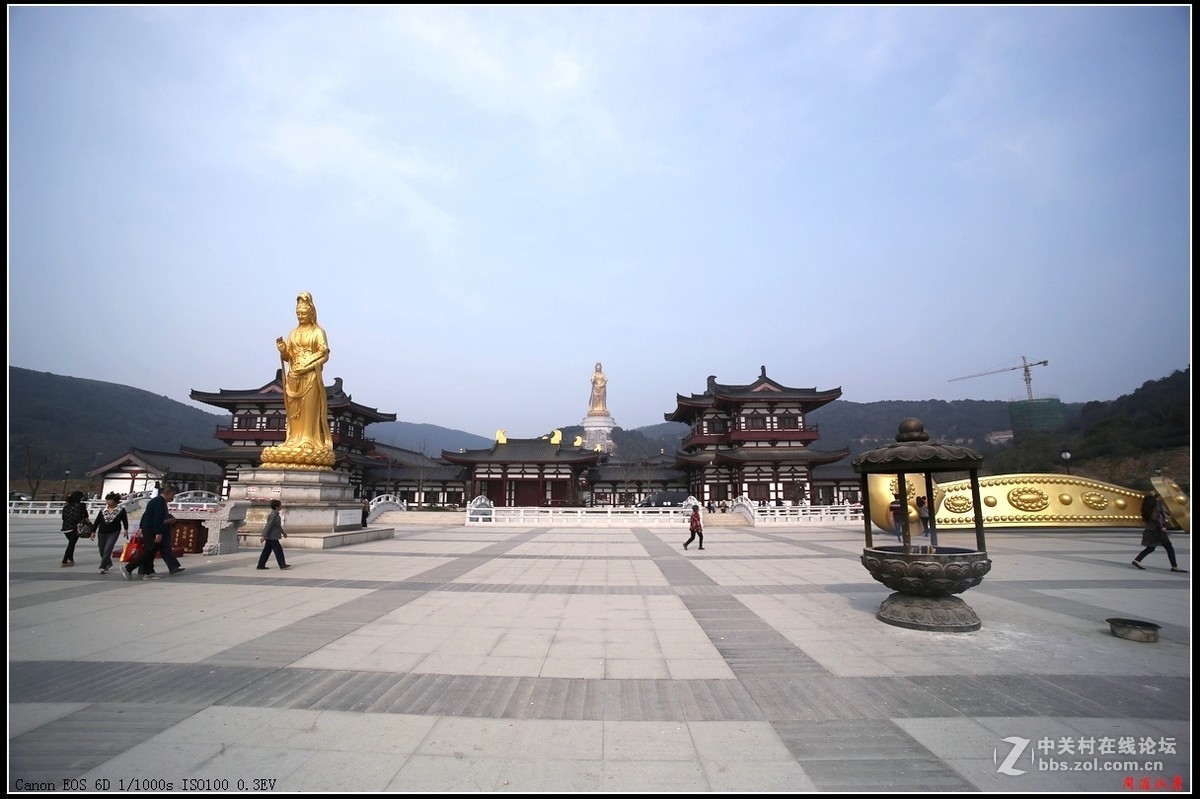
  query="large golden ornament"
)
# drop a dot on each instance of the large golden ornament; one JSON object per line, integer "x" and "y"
{"x": 598, "y": 403}
{"x": 1027, "y": 500}
{"x": 1041, "y": 500}
{"x": 309, "y": 443}
{"x": 883, "y": 488}
{"x": 1175, "y": 501}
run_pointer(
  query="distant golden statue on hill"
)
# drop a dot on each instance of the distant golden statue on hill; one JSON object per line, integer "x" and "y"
{"x": 598, "y": 403}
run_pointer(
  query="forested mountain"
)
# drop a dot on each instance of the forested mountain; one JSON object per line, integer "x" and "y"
{"x": 1121, "y": 441}
{"x": 428, "y": 439}
{"x": 58, "y": 423}
{"x": 1156, "y": 416}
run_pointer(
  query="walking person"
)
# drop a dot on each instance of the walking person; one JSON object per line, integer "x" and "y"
{"x": 897, "y": 510}
{"x": 111, "y": 520}
{"x": 271, "y": 534}
{"x": 73, "y": 513}
{"x": 156, "y": 533}
{"x": 923, "y": 513}
{"x": 696, "y": 527}
{"x": 167, "y": 551}
{"x": 1155, "y": 535}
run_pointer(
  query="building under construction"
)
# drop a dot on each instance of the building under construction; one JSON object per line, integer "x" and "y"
{"x": 1030, "y": 415}
{"x": 1035, "y": 415}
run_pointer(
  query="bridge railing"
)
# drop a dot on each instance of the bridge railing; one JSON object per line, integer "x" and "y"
{"x": 579, "y": 517}
{"x": 195, "y": 502}
{"x": 37, "y": 507}
{"x": 806, "y": 514}
{"x": 483, "y": 512}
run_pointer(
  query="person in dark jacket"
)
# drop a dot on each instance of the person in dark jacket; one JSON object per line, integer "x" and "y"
{"x": 110, "y": 522}
{"x": 696, "y": 527}
{"x": 271, "y": 535}
{"x": 156, "y": 532}
{"x": 1155, "y": 535}
{"x": 898, "y": 513}
{"x": 73, "y": 512}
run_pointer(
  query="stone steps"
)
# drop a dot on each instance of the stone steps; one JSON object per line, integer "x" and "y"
{"x": 301, "y": 538}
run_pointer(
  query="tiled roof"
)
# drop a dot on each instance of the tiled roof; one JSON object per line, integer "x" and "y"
{"x": 654, "y": 474}
{"x": 407, "y": 457}
{"x": 762, "y": 389}
{"x": 524, "y": 450}
{"x": 271, "y": 395}
{"x": 789, "y": 455}
{"x": 161, "y": 463}
{"x": 439, "y": 473}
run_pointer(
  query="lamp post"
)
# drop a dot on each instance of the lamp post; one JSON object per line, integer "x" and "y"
{"x": 1066, "y": 456}
{"x": 66, "y": 476}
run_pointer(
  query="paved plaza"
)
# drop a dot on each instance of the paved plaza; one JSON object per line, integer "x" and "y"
{"x": 523, "y": 659}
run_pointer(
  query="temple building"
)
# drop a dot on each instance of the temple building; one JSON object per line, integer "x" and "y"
{"x": 745, "y": 440}
{"x": 528, "y": 472}
{"x": 627, "y": 481}
{"x": 752, "y": 440}
{"x": 259, "y": 419}
{"x": 143, "y": 470}
{"x": 415, "y": 478}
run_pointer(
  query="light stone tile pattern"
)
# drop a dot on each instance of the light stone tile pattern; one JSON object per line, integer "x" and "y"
{"x": 602, "y": 660}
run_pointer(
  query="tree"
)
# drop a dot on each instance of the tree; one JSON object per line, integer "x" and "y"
{"x": 40, "y": 464}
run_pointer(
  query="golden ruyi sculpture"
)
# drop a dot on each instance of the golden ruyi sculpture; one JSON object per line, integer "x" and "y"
{"x": 309, "y": 444}
{"x": 1029, "y": 500}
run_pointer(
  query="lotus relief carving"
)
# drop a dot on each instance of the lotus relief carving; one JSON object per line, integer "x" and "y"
{"x": 1030, "y": 500}
{"x": 958, "y": 504}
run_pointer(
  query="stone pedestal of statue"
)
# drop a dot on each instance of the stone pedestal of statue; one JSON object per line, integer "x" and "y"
{"x": 598, "y": 430}
{"x": 319, "y": 507}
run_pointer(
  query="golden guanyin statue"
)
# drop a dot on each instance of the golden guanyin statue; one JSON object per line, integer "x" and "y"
{"x": 309, "y": 444}
{"x": 597, "y": 405}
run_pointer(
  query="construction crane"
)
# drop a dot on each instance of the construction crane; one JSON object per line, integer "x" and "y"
{"x": 1025, "y": 364}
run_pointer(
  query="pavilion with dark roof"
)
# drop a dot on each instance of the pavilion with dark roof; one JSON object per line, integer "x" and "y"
{"x": 259, "y": 420}
{"x": 752, "y": 440}
{"x": 528, "y": 472}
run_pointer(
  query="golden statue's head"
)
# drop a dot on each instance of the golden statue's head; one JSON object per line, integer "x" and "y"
{"x": 305, "y": 307}
{"x": 597, "y": 366}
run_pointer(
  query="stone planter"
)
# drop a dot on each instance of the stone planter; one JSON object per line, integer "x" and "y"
{"x": 925, "y": 584}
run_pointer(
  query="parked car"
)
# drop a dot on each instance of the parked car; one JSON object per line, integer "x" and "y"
{"x": 664, "y": 499}
{"x": 17, "y": 496}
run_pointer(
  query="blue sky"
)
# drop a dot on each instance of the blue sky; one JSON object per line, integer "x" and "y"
{"x": 486, "y": 201}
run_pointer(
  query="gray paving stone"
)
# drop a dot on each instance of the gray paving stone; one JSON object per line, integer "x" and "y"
{"x": 78, "y": 680}
{"x": 81, "y": 741}
{"x": 866, "y": 755}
